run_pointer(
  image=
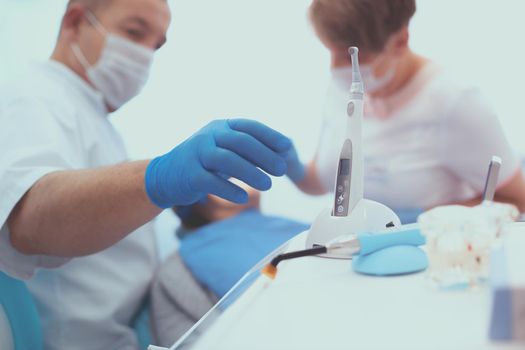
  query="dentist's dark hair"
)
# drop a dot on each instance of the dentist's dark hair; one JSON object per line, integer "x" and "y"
{"x": 91, "y": 4}
{"x": 367, "y": 24}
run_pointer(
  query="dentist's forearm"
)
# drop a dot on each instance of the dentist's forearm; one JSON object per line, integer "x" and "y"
{"x": 80, "y": 212}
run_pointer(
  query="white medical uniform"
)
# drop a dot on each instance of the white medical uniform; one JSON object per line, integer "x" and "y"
{"x": 427, "y": 145}
{"x": 50, "y": 121}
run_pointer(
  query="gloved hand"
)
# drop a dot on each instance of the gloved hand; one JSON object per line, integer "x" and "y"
{"x": 224, "y": 148}
{"x": 296, "y": 169}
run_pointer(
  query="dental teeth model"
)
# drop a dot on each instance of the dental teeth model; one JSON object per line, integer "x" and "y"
{"x": 460, "y": 240}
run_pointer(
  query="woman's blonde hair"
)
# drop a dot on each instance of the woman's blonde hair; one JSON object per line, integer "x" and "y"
{"x": 367, "y": 24}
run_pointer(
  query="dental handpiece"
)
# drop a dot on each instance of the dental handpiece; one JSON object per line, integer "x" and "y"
{"x": 349, "y": 178}
{"x": 366, "y": 243}
{"x": 362, "y": 244}
{"x": 492, "y": 179}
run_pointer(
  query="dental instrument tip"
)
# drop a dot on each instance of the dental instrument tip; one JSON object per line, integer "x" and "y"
{"x": 353, "y": 50}
{"x": 496, "y": 159}
{"x": 269, "y": 271}
{"x": 491, "y": 181}
{"x": 356, "y": 72}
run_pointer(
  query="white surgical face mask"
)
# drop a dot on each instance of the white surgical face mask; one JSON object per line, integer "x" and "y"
{"x": 122, "y": 69}
{"x": 342, "y": 77}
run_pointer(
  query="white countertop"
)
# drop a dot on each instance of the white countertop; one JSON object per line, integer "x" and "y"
{"x": 317, "y": 303}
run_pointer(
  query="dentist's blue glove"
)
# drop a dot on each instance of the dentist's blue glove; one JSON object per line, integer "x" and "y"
{"x": 224, "y": 148}
{"x": 296, "y": 169}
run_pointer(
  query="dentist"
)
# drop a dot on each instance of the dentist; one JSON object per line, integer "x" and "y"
{"x": 74, "y": 212}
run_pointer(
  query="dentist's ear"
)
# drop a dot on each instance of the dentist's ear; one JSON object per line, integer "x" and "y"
{"x": 398, "y": 42}
{"x": 71, "y": 22}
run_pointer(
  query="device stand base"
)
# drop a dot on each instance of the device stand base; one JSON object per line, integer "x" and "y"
{"x": 367, "y": 216}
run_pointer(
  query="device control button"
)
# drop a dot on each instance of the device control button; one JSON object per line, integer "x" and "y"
{"x": 340, "y": 188}
{"x": 350, "y": 109}
{"x": 340, "y": 209}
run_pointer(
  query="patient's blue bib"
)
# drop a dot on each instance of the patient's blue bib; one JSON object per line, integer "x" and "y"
{"x": 219, "y": 254}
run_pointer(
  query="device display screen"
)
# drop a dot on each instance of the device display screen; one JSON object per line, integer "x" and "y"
{"x": 344, "y": 167}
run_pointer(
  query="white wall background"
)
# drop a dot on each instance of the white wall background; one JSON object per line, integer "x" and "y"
{"x": 260, "y": 59}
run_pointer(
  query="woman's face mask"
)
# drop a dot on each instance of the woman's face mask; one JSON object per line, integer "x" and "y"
{"x": 342, "y": 76}
{"x": 122, "y": 69}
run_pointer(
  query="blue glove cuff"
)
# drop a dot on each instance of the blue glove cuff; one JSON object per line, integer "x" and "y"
{"x": 296, "y": 169}
{"x": 296, "y": 172}
{"x": 151, "y": 184}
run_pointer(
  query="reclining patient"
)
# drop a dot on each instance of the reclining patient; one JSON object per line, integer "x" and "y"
{"x": 428, "y": 139}
{"x": 219, "y": 243}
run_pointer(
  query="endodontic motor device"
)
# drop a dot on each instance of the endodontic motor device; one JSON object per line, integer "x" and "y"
{"x": 351, "y": 213}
